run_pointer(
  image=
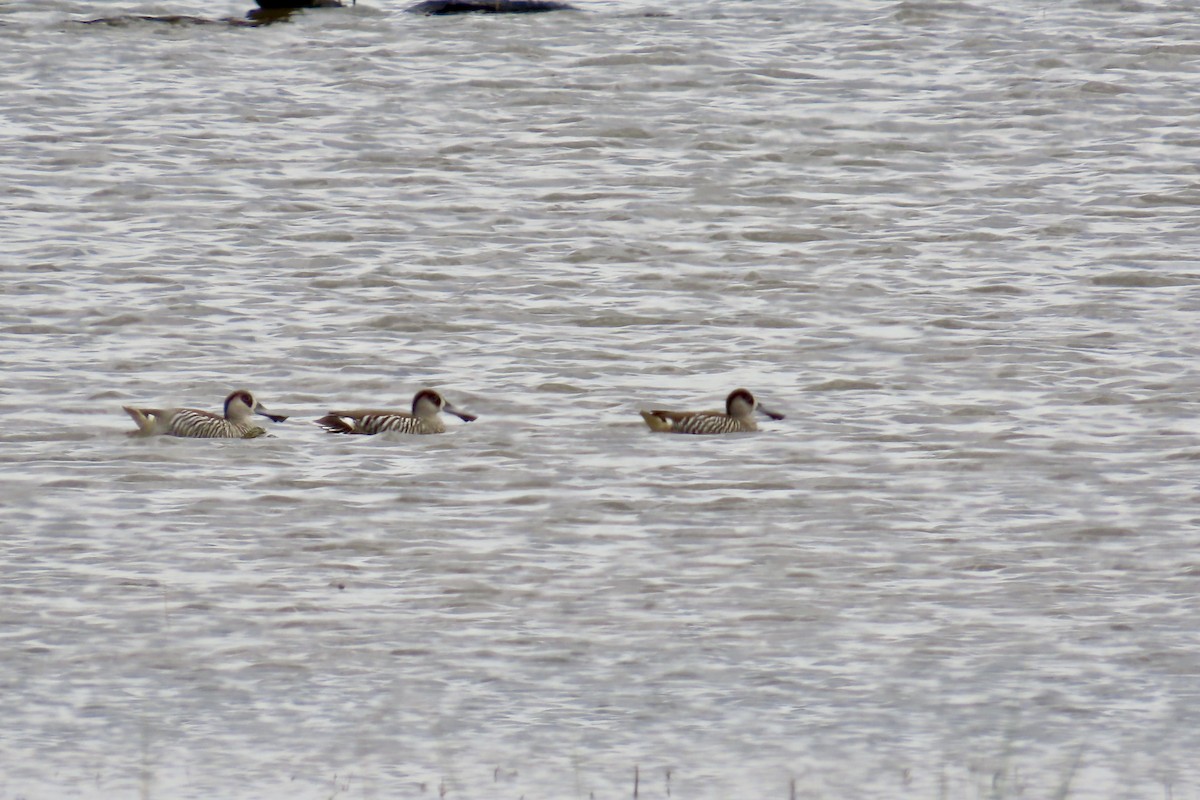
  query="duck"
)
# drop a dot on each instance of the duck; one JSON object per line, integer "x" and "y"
{"x": 425, "y": 417}
{"x": 740, "y": 407}
{"x": 192, "y": 423}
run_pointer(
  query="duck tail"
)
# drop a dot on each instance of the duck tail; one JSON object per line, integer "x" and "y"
{"x": 335, "y": 424}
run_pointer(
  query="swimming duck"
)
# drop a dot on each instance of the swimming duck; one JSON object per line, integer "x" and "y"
{"x": 738, "y": 417}
{"x": 427, "y": 406}
{"x": 192, "y": 423}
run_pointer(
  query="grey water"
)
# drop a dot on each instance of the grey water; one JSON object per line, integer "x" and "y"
{"x": 954, "y": 242}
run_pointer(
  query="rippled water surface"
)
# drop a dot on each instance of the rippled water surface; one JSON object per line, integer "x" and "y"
{"x": 954, "y": 242}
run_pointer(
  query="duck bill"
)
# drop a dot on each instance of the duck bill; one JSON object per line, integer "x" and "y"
{"x": 768, "y": 412}
{"x": 273, "y": 417}
{"x": 464, "y": 416}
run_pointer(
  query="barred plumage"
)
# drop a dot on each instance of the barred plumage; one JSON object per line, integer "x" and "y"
{"x": 425, "y": 418}
{"x": 192, "y": 423}
{"x": 738, "y": 417}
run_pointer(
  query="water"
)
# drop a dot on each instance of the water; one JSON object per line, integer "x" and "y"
{"x": 955, "y": 243}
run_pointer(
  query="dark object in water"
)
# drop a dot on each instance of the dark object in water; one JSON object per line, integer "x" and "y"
{"x": 270, "y": 11}
{"x": 438, "y": 7}
{"x": 288, "y": 5}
